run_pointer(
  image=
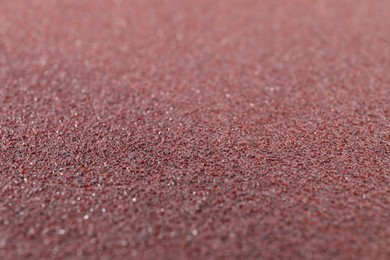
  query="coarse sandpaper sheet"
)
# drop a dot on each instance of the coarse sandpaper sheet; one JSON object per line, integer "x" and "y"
{"x": 179, "y": 129}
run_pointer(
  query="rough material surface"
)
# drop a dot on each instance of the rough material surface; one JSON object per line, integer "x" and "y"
{"x": 178, "y": 129}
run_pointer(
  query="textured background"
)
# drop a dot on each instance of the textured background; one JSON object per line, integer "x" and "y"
{"x": 195, "y": 129}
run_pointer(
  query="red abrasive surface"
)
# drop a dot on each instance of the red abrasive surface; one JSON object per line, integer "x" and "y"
{"x": 178, "y": 129}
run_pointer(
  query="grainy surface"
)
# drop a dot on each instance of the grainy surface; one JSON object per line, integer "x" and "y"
{"x": 178, "y": 129}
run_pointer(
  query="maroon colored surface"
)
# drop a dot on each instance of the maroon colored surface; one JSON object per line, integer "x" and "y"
{"x": 195, "y": 129}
